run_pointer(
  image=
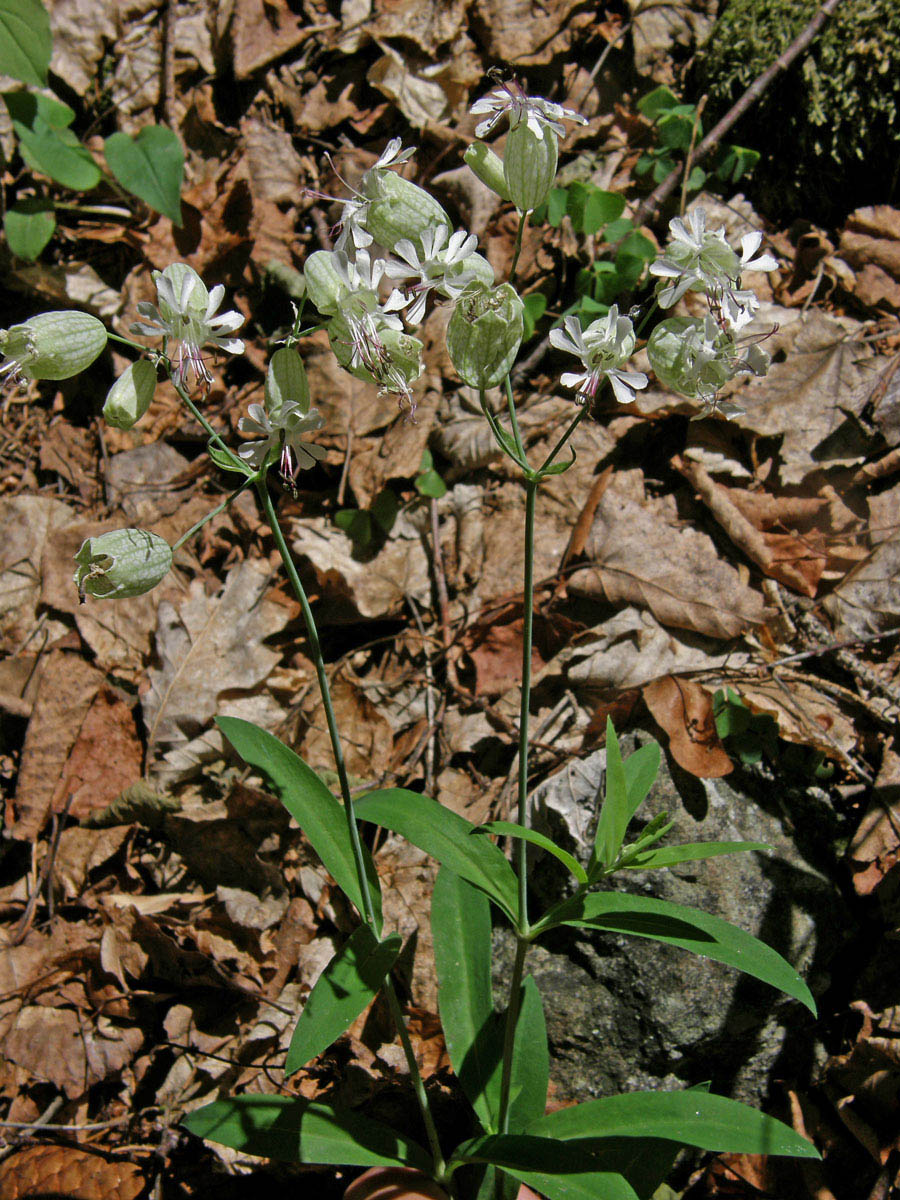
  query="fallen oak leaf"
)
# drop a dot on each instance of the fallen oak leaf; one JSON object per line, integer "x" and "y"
{"x": 683, "y": 710}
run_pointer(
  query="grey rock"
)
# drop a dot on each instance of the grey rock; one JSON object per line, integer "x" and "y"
{"x": 627, "y": 1013}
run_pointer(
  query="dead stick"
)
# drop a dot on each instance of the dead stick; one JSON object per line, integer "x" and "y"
{"x": 654, "y": 201}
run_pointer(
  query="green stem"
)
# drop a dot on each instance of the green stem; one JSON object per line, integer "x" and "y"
{"x": 646, "y": 317}
{"x": 531, "y": 487}
{"x": 368, "y": 913}
{"x": 513, "y": 418}
{"x": 209, "y": 516}
{"x": 581, "y": 414}
{"x": 517, "y": 249}
{"x": 199, "y": 417}
{"x": 115, "y": 337}
{"x": 509, "y": 1033}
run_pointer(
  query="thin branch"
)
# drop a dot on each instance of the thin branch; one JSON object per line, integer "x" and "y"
{"x": 657, "y": 198}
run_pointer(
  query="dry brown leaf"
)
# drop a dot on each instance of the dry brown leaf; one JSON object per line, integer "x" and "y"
{"x": 683, "y": 709}
{"x": 42, "y": 1171}
{"x": 81, "y": 851}
{"x": 368, "y": 737}
{"x": 868, "y": 599}
{"x": 63, "y": 1048}
{"x": 407, "y": 880}
{"x": 526, "y": 33}
{"x": 105, "y": 759}
{"x": 65, "y": 694}
{"x": 419, "y": 98}
{"x": 805, "y": 713}
{"x": 262, "y": 31}
{"x": 875, "y": 849}
{"x": 26, "y": 523}
{"x": 70, "y": 452}
{"x": 640, "y": 554}
{"x": 810, "y": 399}
{"x": 208, "y": 646}
{"x": 796, "y": 562}
{"x": 631, "y": 648}
{"x": 356, "y": 588}
{"x": 870, "y": 243}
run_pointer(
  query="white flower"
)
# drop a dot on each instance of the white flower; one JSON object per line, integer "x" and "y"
{"x": 700, "y": 260}
{"x": 283, "y": 433}
{"x": 603, "y": 348}
{"x": 441, "y": 251}
{"x": 536, "y": 112}
{"x": 351, "y": 226}
{"x": 185, "y": 315}
{"x": 697, "y": 358}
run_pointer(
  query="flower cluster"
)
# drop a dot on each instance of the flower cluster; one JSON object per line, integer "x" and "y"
{"x": 698, "y": 356}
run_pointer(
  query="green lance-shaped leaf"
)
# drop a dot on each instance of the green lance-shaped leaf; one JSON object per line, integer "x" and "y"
{"x": 293, "y": 1130}
{"x": 310, "y": 803}
{"x": 29, "y": 226}
{"x": 26, "y": 42}
{"x": 447, "y": 837}
{"x": 349, "y": 982}
{"x": 510, "y": 829}
{"x": 691, "y": 1118}
{"x": 47, "y": 144}
{"x": 461, "y": 929}
{"x": 150, "y": 166}
{"x": 559, "y": 1170}
{"x": 531, "y": 1060}
{"x": 614, "y": 814}
{"x": 688, "y": 928}
{"x": 671, "y": 856}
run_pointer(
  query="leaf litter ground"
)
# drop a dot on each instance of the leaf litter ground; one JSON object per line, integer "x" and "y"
{"x": 163, "y": 920}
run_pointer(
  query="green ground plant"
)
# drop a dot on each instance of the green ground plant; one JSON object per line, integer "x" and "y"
{"x": 397, "y": 254}
{"x": 149, "y": 166}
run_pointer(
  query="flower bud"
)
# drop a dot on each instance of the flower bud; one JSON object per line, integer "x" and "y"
{"x": 129, "y": 397}
{"x": 286, "y": 382}
{"x": 52, "y": 345}
{"x": 121, "y": 563}
{"x": 529, "y": 165}
{"x": 325, "y": 285}
{"x": 399, "y": 209}
{"x": 484, "y": 333}
{"x": 486, "y": 165}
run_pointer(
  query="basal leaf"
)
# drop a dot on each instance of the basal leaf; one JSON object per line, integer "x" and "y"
{"x": 310, "y": 803}
{"x": 691, "y": 1118}
{"x": 688, "y": 928}
{"x": 150, "y": 166}
{"x": 349, "y": 982}
{"x": 293, "y": 1130}
{"x": 461, "y": 928}
{"x": 26, "y": 42}
{"x": 559, "y": 1170}
{"x": 447, "y": 837}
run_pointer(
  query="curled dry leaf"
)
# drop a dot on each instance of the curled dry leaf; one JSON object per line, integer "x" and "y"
{"x": 683, "y": 709}
{"x": 64, "y": 1171}
{"x": 642, "y": 554}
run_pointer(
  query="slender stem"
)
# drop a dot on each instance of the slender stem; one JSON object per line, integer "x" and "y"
{"x": 531, "y": 488}
{"x": 579, "y": 417}
{"x": 440, "y": 1167}
{"x": 368, "y": 913}
{"x": 115, "y": 337}
{"x": 646, "y": 317}
{"x": 315, "y": 647}
{"x": 513, "y": 418}
{"x": 518, "y": 248}
{"x": 198, "y": 416}
{"x": 509, "y": 1034}
{"x": 209, "y": 516}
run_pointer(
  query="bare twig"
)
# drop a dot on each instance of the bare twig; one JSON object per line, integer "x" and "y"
{"x": 657, "y": 198}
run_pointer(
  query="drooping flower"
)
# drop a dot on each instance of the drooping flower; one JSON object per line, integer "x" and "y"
{"x": 696, "y": 357}
{"x": 701, "y": 260}
{"x": 283, "y": 433}
{"x": 441, "y": 265}
{"x": 511, "y": 99}
{"x": 604, "y": 347}
{"x": 185, "y": 316}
